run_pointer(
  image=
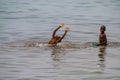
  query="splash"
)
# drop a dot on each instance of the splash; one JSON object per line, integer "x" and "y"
{"x": 68, "y": 45}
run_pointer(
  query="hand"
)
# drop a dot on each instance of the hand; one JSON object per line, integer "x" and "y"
{"x": 61, "y": 24}
{"x": 67, "y": 29}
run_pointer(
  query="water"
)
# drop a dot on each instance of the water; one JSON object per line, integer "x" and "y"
{"x": 24, "y": 22}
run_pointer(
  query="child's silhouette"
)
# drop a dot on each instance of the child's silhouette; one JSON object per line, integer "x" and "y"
{"x": 102, "y": 36}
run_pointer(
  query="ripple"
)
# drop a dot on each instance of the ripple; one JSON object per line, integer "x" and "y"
{"x": 33, "y": 9}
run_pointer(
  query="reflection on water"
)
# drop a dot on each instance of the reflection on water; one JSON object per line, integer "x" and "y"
{"x": 58, "y": 53}
{"x": 101, "y": 55}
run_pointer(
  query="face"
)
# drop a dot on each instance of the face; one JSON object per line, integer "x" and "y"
{"x": 102, "y": 29}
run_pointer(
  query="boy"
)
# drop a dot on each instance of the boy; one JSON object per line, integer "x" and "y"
{"x": 55, "y": 38}
{"x": 102, "y": 36}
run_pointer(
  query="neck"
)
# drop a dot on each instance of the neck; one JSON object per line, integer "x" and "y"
{"x": 102, "y": 32}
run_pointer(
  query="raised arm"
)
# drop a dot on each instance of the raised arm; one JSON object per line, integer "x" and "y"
{"x": 54, "y": 32}
{"x": 66, "y": 30}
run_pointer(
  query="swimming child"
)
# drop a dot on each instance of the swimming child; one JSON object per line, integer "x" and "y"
{"x": 55, "y": 38}
{"x": 102, "y": 36}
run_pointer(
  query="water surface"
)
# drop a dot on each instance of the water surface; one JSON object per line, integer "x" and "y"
{"x": 25, "y": 22}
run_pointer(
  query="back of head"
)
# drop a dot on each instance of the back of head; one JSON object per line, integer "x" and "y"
{"x": 57, "y": 37}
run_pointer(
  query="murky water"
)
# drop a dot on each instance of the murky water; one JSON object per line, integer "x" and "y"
{"x": 25, "y": 23}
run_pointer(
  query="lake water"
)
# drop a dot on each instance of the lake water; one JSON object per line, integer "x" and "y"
{"x": 28, "y": 22}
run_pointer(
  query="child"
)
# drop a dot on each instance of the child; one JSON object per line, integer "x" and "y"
{"x": 102, "y": 36}
{"x": 55, "y": 38}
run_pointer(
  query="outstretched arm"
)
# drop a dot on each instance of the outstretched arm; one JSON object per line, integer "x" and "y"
{"x": 66, "y": 30}
{"x": 54, "y": 32}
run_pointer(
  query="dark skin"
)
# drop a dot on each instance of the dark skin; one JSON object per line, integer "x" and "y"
{"x": 55, "y": 38}
{"x": 102, "y": 36}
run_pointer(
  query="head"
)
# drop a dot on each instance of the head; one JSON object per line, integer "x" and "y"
{"x": 57, "y": 37}
{"x": 102, "y": 29}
